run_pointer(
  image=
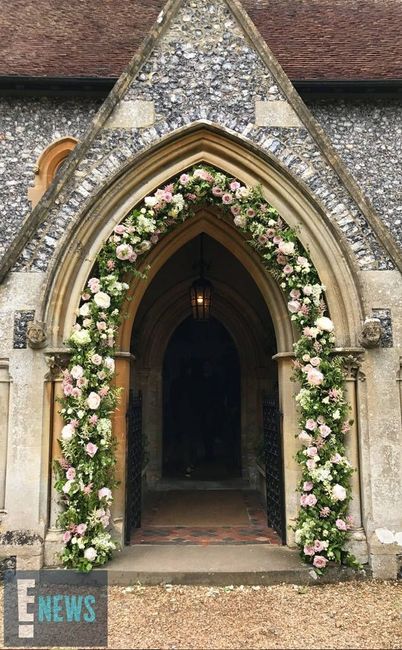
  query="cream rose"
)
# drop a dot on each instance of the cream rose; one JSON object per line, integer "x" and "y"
{"x": 287, "y": 247}
{"x": 67, "y": 432}
{"x": 85, "y": 309}
{"x": 324, "y": 324}
{"x": 338, "y": 492}
{"x": 90, "y": 554}
{"x": 93, "y": 400}
{"x": 102, "y": 299}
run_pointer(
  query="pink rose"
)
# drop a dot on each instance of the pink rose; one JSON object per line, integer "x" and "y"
{"x": 294, "y": 306}
{"x": 77, "y": 371}
{"x": 315, "y": 377}
{"x": 234, "y": 185}
{"x": 124, "y": 251}
{"x": 310, "y": 464}
{"x": 167, "y": 197}
{"x": 70, "y": 474}
{"x": 235, "y": 210}
{"x": 315, "y": 361}
{"x": 227, "y": 198}
{"x": 217, "y": 191}
{"x": 308, "y": 500}
{"x": 76, "y": 392}
{"x": 309, "y": 550}
{"x": 101, "y": 325}
{"x": 307, "y": 486}
{"x": 341, "y": 525}
{"x": 311, "y": 424}
{"x": 184, "y": 179}
{"x": 105, "y": 493}
{"x": 94, "y": 285}
{"x": 66, "y": 536}
{"x": 295, "y": 293}
{"x": 81, "y": 528}
{"x": 91, "y": 449}
{"x": 318, "y": 546}
{"x": 250, "y": 213}
{"x": 320, "y": 562}
{"x": 270, "y": 232}
{"x": 277, "y": 239}
{"x": 119, "y": 229}
{"x": 93, "y": 400}
{"x": 324, "y": 430}
{"x": 287, "y": 269}
{"x": 286, "y": 247}
{"x": 336, "y": 458}
{"x": 311, "y": 452}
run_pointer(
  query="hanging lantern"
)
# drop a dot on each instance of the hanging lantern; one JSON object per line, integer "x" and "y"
{"x": 201, "y": 292}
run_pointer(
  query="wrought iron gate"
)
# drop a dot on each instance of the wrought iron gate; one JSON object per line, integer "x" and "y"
{"x": 134, "y": 465}
{"x": 274, "y": 466}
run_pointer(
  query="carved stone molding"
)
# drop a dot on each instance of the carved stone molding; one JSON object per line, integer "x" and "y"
{"x": 57, "y": 362}
{"x": 352, "y": 366}
{"x": 36, "y": 334}
{"x": 370, "y": 336}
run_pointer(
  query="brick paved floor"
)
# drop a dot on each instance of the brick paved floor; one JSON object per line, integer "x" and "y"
{"x": 256, "y": 531}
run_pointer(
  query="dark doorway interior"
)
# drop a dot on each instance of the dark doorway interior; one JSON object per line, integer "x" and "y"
{"x": 201, "y": 405}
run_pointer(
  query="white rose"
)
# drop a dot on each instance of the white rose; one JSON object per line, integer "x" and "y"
{"x": 81, "y": 337}
{"x": 93, "y": 400}
{"x": 67, "y": 432}
{"x": 90, "y": 553}
{"x": 67, "y": 487}
{"x": 109, "y": 363}
{"x": 151, "y": 201}
{"x": 339, "y": 492}
{"x": 102, "y": 299}
{"x": 324, "y": 324}
{"x": 85, "y": 309}
{"x": 287, "y": 247}
{"x": 77, "y": 372}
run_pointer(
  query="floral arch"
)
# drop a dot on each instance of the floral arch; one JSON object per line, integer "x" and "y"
{"x": 85, "y": 476}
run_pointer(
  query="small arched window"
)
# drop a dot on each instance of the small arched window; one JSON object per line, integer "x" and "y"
{"x": 48, "y": 163}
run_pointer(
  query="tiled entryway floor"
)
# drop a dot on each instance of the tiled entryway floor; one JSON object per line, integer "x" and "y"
{"x": 204, "y": 517}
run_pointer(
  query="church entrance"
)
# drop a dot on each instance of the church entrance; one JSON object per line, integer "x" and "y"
{"x": 201, "y": 403}
{"x": 204, "y": 416}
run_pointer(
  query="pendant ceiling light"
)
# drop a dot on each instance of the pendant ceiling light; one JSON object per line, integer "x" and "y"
{"x": 201, "y": 291}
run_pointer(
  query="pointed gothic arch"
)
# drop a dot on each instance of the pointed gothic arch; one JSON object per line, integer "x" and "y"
{"x": 206, "y": 144}
{"x": 203, "y": 143}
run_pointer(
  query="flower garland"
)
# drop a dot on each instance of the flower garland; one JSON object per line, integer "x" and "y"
{"x": 85, "y": 473}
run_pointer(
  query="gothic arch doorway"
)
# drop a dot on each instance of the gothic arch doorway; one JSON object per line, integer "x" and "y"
{"x": 202, "y": 386}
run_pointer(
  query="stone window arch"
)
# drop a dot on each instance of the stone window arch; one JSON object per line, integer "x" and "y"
{"x": 48, "y": 163}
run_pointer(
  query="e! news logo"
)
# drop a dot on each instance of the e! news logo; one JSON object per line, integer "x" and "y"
{"x": 55, "y": 608}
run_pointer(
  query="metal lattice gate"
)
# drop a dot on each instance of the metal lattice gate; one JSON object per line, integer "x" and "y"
{"x": 134, "y": 465}
{"x": 274, "y": 466}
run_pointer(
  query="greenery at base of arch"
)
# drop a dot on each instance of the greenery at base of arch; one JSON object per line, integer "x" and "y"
{"x": 85, "y": 472}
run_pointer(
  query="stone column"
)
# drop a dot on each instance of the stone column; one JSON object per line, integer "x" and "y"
{"x": 119, "y": 421}
{"x": 354, "y": 376}
{"x": 4, "y": 416}
{"x": 288, "y": 408}
{"x": 53, "y": 392}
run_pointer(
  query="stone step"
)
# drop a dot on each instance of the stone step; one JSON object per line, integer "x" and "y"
{"x": 240, "y": 564}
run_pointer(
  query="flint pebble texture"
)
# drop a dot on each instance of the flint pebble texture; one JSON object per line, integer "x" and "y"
{"x": 203, "y": 68}
{"x": 21, "y": 320}
{"x": 27, "y": 127}
{"x": 387, "y": 338}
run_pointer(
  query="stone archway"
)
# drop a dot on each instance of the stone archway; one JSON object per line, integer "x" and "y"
{"x": 331, "y": 262}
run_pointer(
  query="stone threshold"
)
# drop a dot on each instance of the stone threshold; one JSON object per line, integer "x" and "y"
{"x": 252, "y": 564}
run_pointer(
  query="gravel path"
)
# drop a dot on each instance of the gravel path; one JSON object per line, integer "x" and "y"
{"x": 349, "y": 615}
